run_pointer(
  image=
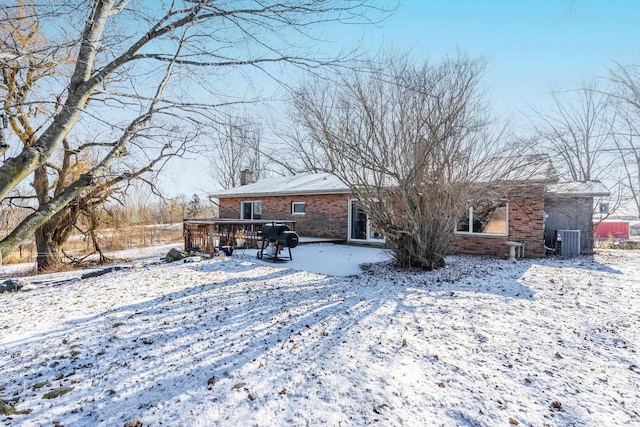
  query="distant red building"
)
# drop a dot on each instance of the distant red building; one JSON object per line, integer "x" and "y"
{"x": 615, "y": 229}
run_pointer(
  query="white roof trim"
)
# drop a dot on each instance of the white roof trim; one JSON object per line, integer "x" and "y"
{"x": 302, "y": 184}
{"x": 578, "y": 189}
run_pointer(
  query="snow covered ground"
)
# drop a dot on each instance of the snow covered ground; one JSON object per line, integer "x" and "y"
{"x": 328, "y": 259}
{"x": 236, "y": 341}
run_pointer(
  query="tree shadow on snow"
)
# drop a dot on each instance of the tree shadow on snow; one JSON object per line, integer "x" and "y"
{"x": 141, "y": 357}
{"x": 210, "y": 342}
{"x": 582, "y": 262}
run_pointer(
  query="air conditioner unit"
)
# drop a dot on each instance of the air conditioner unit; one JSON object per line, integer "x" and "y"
{"x": 569, "y": 241}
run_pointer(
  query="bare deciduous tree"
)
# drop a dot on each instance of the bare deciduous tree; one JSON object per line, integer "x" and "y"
{"x": 577, "y": 132}
{"x": 299, "y": 149}
{"x": 138, "y": 78}
{"x": 232, "y": 147}
{"x": 626, "y": 94}
{"x": 408, "y": 141}
{"x": 67, "y": 165}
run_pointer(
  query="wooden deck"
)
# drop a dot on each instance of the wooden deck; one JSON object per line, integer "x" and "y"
{"x": 209, "y": 235}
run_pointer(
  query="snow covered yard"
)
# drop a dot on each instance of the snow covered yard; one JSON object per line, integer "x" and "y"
{"x": 239, "y": 342}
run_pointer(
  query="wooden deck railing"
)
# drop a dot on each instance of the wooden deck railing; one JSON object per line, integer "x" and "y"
{"x": 209, "y": 235}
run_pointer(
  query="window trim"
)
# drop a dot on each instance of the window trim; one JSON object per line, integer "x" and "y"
{"x": 368, "y": 228}
{"x": 477, "y": 234}
{"x": 253, "y": 202}
{"x": 293, "y": 211}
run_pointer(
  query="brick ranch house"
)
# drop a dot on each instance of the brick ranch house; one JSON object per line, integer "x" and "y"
{"x": 322, "y": 206}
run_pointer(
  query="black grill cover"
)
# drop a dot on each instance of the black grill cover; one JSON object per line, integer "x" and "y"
{"x": 280, "y": 232}
{"x": 289, "y": 239}
{"x": 272, "y": 231}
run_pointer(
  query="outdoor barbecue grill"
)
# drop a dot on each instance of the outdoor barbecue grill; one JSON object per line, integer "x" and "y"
{"x": 275, "y": 237}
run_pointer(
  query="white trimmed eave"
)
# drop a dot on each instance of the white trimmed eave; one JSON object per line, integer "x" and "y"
{"x": 577, "y": 190}
{"x": 276, "y": 194}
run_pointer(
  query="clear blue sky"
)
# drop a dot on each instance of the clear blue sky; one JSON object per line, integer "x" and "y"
{"x": 531, "y": 46}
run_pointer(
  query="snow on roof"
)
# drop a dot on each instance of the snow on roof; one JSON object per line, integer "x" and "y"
{"x": 537, "y": 167}
{"x": 520, "y": 168}
{"x": 307, "y": 183}
{"x": 578, "y": 189}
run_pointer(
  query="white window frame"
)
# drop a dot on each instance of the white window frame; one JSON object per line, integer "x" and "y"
{"x": 293, "y": 208}
{"x": 368, "y": 227}
{"x": 478, "y": 234}
{"x": 253, "y": 209}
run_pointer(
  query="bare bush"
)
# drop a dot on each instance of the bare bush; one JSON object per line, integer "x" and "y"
{"x": 408, "y": 141}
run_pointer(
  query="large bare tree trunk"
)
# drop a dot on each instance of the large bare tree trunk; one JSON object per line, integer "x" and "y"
{"x": 53, "y": 232}
{"x": 48, "y": 257}
{"x": 106, "y": 73}
{"x": 47, "y": 249}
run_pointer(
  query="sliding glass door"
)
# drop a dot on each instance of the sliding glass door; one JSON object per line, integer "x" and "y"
{"x": 360, "y": 228}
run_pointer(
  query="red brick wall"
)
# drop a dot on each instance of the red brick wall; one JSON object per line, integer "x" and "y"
{"x": 326, "y": 214}
{"x": 526, "y": 221}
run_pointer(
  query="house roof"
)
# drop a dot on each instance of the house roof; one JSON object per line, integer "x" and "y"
{"x": 535, "y": 167}
{"x": 520, "y": 168}
{"x": 306, "y": 183}
{"x": 578, "y": 189}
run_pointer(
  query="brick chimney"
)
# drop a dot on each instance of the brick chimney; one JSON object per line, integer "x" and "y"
{"x": 246, "y": 176}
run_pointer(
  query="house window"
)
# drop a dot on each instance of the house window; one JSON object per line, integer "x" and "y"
{"x": 251, "y": 210}
{"x": 298, "y": 208}
{"x": 487, "y": 217}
